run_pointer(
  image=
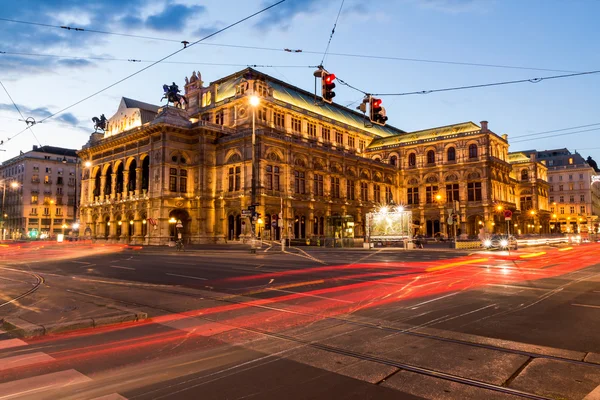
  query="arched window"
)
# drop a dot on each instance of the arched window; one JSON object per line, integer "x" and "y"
{"x": 431, "y": 157}
{"x": 472, "y": 151}
{"x": 393, "y": 160}
{"x": 412, "y": 159}
{"x": 451, "y": 154}
{"x": 524, "y": 175}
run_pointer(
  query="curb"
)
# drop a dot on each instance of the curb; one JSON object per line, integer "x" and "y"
{"x": 24, "y": 329}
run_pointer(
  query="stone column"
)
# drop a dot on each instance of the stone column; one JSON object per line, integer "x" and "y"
{"x": 138, "y": 181}
{"x": 102, "y": 186}
{"x": 125, "y": 183}
{"x": 113, "y": 185}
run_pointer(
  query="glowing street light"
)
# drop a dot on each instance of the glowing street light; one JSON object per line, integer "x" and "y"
{"x": 88, "y": 164}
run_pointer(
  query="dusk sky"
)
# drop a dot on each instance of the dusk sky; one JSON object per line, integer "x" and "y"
{"x": 542, "y": 38}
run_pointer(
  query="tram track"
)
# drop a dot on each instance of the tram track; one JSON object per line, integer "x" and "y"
{"x": 39, "y": 281}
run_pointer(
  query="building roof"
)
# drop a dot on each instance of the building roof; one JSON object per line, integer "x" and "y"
{"x": 518, "y": 157}
{"x": 438, "y": 133}
{"x": 59, "y": 151}
{"x": 131, "y": 103}
{"x": 303, "y": 99}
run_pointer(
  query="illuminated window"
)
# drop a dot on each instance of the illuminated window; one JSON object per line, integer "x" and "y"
{"x": 350, "y": 189}
{"x": 311, "y": 129}
{"x": 318, "y": 185}
{"x": 472, "y": 151}
{"x": 412, "y": 160}
{"x": 299, "y": 182}
{"x": 272, "y": 177}
{"x": 451, "y": 154}
{"x": 388, "y": 195}
{"x": 562, "y": 210}
{"x": 431, "y": 157}
{"x": 430, "y": 192}
{"x": 364, "y": 191}
{"x": 474, "y": 191}
{"x": 377, "y": 193}
{"x": 335, "y": 187}
{"x": 34, "y": 199}
{"x": 296, "y": 125}
{"x": 351, "y": 141}
{"x": 279, "y": 119}
{"x": 413, "y": 195}
{"x": 570, "y": 161}
{"x": 452, "y": 193}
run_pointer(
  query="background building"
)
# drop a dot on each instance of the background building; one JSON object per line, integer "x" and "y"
{"x": 574, "y": 199}
{"x": 319, "y": 168}
{"x": 40, "y": 192}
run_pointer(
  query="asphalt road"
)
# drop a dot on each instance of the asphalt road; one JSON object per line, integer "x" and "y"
{"x": 320, "y": 324}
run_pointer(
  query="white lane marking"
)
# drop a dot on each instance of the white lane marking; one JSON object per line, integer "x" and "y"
{"x": 116, "y": 266}
{"x": 55, "y": 380}
{"x": 517, "y": 287}
{"x": 584, "y": 305}
{"x": 81, "y": 262}
{"x": 10, "y": 343}
{"x": 180, "y": 263}
{"x": 432, "y": 300}
{"x": 24, "y": 360}
{"x": 312, "y": 295}
{"x": 271, "y": 281}
{"x": 112, "y": 396}
{"x": 87, "y": 266}
{"x": 187, "y": 276}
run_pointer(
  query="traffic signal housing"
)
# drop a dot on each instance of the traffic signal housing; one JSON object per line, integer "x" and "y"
{"x": 377, "y": 112}
{"x": 327, "y": 87}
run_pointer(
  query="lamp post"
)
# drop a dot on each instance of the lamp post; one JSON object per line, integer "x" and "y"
{"x": 254, "y": 102}
{"x": 172, "y": 222}
{"x": 13, "y": 185}
{"x": 532, "y": 213}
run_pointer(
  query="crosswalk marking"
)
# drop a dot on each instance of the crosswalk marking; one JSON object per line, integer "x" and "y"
{"x": 55, "y": 380}
{"x": 24, "y": 360}
{"x": 10, "y": 343}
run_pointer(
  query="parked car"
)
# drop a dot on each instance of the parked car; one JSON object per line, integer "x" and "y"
{"x": 501, "y": 242}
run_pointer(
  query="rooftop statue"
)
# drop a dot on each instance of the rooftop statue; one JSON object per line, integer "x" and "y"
{"x": 171, "y": 93}
{"x": 100, "y": 123}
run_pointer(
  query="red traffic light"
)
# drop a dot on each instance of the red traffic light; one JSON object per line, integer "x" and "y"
{"x": 329, "y": 78}
{"x": 376, "y": 103}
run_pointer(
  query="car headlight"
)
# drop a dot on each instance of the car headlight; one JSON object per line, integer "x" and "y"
{"x": 487, "y": 243}
{"x": 504, "y": 243}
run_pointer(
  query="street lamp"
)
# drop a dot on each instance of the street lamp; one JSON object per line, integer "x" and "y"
{"x": 260, "y": 223}
{"x": 254, "y": 102}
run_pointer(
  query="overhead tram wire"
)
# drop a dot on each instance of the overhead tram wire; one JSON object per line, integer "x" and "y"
{"x": 22, "y": 116}
{"x": 531, "y": 80}
{"x": 162, "y": 59}
{"x": 299, "y": 51}
{"x": 557, "y": 135}
{"x": 556, "y": 130}
{"x": 332, "y": 32}
{"x": 134, "y": 60}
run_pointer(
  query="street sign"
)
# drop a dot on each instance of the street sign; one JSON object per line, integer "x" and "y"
{"x": 507, "y": 215}
{"x": 252, "y": 208}
{"x": 450, "y": 211}
{"x": 179, "y": 224}
{"x": 247, "y": 213}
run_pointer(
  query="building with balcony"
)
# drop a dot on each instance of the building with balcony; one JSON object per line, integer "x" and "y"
{"x": 319, "y": 168}
{"x": 574, "y": 195}
{"x": 40, "y": 192}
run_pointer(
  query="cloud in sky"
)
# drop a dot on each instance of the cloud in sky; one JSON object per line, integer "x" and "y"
{"x": 282, "y": 15}
{"x": 455, "y": 6}
{"x": 39, "y": 113}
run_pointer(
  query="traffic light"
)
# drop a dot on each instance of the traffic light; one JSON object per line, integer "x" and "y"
{"x": 363, "y": 105}
{"x": 377, "y": 112}
{"x": 327, "y": 85}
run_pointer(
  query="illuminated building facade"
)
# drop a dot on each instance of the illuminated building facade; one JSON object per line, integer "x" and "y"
{"x": 319, "y": 168}
{"x": 40, "y": 192}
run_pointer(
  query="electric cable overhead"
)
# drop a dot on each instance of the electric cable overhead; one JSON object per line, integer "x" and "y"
{"x": 531, "y": 80}
{"x": 134, "y": 60}
{"x": 296, "y": 51}
{"x": 551, "y": 136}
{"x": 161, "y": 60}
{"x": 556, "y": 130}
{"x": 22, "y": 116}
{"x": 332, "y": 32}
